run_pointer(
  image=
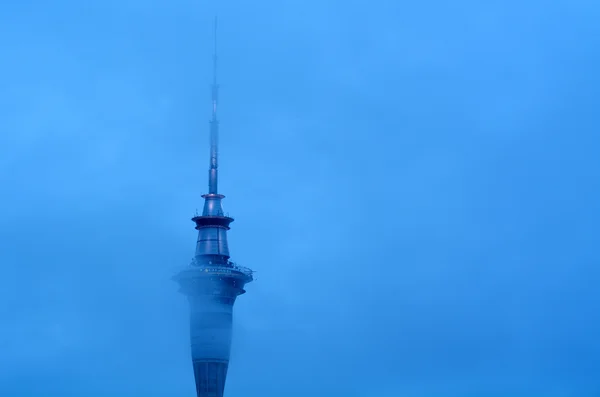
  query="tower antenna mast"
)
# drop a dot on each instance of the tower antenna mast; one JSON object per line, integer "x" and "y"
{"x": 214, "y": 123}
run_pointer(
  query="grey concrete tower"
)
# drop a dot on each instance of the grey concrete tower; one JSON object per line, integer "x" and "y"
{"x": 212, "y": 281}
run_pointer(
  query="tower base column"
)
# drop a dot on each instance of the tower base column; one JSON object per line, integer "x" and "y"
{"x": 210, "y": 378}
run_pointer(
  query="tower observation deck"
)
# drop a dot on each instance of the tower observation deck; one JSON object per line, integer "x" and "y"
{"x": 212, "y": 282}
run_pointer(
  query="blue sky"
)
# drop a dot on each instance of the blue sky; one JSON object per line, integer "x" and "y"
{"x": 415, "y": 183}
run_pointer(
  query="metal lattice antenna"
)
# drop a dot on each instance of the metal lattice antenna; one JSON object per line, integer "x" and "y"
{"x": 214, "y": 124}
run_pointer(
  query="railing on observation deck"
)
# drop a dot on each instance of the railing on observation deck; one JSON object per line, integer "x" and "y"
{"x": 229, "y": 268}
{"x": 225, "y": 214}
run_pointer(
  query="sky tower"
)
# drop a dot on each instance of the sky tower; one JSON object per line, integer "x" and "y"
{"x": 212, "y": 282}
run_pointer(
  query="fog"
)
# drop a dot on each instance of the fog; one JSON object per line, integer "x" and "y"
{"x": 416, "y": 185}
